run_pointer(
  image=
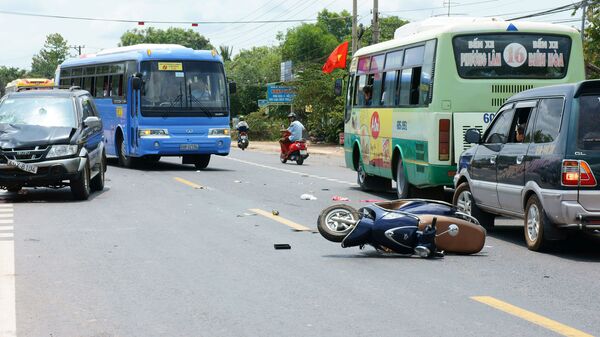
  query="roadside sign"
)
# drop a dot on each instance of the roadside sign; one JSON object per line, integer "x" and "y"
{"x": 279, "y": 94}
{"x": 262, "y": 103}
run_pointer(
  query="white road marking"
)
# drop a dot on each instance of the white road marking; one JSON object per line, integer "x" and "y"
{"x": 6, "y": 210}
{"x": 293, "y": 172}
{"x": 6, "y": 215}
{"x": 6, "y": 221}
{"x": 8, "y": 318}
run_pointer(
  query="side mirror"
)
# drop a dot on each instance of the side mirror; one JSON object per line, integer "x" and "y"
{"x": 92, "y": 122}
{"x": 337, "y": 89}
{"x": 232, "y": 87}
{"x": 473, "y": 136}
{"x": 136, "y": 83}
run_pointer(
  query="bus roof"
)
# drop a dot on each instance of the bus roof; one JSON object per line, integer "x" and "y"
{"x": 427, "y": 29}
{"x": 144, "y": 52}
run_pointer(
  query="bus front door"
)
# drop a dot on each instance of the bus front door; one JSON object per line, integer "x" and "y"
{"x": 132, "y": 119}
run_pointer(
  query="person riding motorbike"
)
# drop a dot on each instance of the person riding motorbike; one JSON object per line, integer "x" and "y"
{"x": 242, "y": 126}
{"x": 296, "y": 128}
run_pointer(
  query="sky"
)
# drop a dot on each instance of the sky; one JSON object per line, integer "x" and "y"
{"x": 21, "y": 37}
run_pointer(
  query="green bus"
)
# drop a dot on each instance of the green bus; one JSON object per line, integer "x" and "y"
{"x": 411, "y": 99}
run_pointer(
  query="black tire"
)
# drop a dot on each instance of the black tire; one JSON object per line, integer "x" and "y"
{"x": 326, "y": 226}
{"x": 403, "y": 188}
{"x": 282, "y": 159}
{"x": 368, "y": 182}
{"x": 202, "y": 161}
{"x": 80, "y": 186}
{"x": 14, "y": 189}
{"x": 536, "y": 225}
{"x": 464, "y": 201}
{"x": 97, "y": 183}
{"x": 300, "y": 161}
{"x": 124, "y": 160}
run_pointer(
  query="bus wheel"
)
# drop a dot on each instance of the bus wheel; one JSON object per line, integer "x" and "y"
{"x": 124, "y": 160}
{"x": 402, "y": 185}
{"x": 201, "y": 161}
{"x": 371, "y": 183}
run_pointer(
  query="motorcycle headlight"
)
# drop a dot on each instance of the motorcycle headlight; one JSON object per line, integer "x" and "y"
{"x": 153, "y": 133}
{"x": 218, "y": 132}
{"x": 62, "y": 151}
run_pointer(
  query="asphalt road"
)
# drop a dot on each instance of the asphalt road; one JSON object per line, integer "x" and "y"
{"x": 170, "y": 251}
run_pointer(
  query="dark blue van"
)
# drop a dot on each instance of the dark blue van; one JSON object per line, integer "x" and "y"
{"x": 537, "y": 161}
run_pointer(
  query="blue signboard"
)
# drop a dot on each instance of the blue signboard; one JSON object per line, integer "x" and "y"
{"x": 279, "y": 94}
{"x": 262, "y": 103}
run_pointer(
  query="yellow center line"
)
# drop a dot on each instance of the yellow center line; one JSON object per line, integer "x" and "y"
{"x": 530, "y": 316}
{"x": 277, "y": 218}
{"x": 189, "y": 183}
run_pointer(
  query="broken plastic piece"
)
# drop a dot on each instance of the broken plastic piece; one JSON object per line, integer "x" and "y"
{"x": 308, "y": 197}
{"x": 338, "y": 198}
{"x": 282, "y": 246}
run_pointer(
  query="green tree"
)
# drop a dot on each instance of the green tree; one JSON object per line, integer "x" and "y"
{"x": 387, "y": 27}
{"x": 226, "y": 52}
{"x": 591, "y": 43}
{"x": 8, "y": 74}
{"x": 184, "y": 37}
{"x": 337, "y": 24}
{"x": 252, "y": 70}
{"x": 55, "y": 51}
{"x": 320, "y": 109}
{"x": 307, "y": 43}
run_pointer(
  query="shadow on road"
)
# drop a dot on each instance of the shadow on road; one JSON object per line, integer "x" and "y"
{"x": 579, "y": 246}
{"x": 163, "y": 166}
{"x": 47, "y": 195}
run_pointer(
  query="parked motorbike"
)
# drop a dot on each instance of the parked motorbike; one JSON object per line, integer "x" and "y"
{"x": 243, "y": 141}
{"x": 295, "y": 151}
{"x": 427, "y": 228}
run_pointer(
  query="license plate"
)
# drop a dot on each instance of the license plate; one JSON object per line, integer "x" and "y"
{"x": 188, "y": 147}
{"x": 303, "y": 152}
{"x": 22, "y": 166}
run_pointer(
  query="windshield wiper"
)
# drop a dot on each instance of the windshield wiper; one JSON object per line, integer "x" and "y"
{"x": 193, "y": 99}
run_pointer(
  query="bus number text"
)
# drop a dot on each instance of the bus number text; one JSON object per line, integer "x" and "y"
{"x": 488, "y": 118}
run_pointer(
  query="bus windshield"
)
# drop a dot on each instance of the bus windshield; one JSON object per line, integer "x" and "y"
{"x": 510, "y": 55}
{"x": 195, "y": 87}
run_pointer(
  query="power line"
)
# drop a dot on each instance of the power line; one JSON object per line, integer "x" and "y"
{"x": 430, "y": 8}
{"x": 551, "y": 11}
{"x": 155, "y": 21}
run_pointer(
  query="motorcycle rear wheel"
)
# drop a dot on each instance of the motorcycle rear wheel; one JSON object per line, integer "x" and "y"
{"x": 332, "y": 230}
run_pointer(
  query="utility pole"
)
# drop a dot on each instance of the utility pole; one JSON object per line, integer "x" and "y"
{"x": 354, "y": 36}
{"x": 375, "y": 22}
{"x": 583, "y": 8}
{"x": 77, "y": 48}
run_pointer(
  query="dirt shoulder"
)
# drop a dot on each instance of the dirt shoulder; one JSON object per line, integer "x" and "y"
{"x": 321, "y": 149}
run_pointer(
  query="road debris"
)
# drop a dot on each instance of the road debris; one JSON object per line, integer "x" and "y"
{"x": 282, "y": 246}
{"x": 275, "y": 212}
{"x": 245, "y": 214}
{"x": 237, "y": 181}
{"x": 372, "y": 200}
{"x": 307, "y": 196}
{"x": 338, "y": 198}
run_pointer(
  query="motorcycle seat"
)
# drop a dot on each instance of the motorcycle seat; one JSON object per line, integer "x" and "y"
{"x": 470, "y": 238}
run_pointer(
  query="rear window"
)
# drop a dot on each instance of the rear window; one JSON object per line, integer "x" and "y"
{"x": 588, "y": 133}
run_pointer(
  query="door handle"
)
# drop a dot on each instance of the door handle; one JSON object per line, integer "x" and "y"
{"x": 520, "y": 159}
{"x": 493, "y": 160}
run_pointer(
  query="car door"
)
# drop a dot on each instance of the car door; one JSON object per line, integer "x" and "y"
{"x": 483, "y": 165}
{"x": 92, "y": 136}
{"x": 511, "y": 159}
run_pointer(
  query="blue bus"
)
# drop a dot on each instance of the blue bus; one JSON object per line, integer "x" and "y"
{"x": 157, "y": 100}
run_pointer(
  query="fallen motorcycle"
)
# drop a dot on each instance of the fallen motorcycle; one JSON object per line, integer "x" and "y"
{"x": 427, "y": 228}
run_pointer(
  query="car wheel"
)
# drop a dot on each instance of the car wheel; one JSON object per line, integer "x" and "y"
{"x": 202, "y": 161}
{"x": 464, "y": 201}
{"x": 402, "y": 185}
{"x": 97, "y": 183}
{"x": 80, "y": 186}
{"x": 536, "y": 222}
{"x": 330, "y": 227}
{"x": 124, "y": 160}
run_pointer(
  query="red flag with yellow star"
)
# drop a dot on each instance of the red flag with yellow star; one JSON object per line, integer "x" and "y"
{"x": 337, "y": 59}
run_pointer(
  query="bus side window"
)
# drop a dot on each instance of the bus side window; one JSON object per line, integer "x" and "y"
{"x": 378, "y": 79}
{"x": 390, "y": 80}
{"x": 358, "y": 90}
{"x": 415, "y": 86}
{"x": 403, "y": 97}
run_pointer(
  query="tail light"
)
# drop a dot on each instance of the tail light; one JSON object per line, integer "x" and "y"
{"x": 444, "y": 136}
{"x": 577, "y": 173}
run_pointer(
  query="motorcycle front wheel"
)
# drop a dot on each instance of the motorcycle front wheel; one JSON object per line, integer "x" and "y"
{"x": 330, "y": 226}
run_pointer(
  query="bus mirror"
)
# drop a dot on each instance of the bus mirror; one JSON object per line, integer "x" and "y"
{"x": 136, "y": 83}
{"x": 232, "y": 87}
{"x": 472, "y": 136}
{"x": 337, "y": 89}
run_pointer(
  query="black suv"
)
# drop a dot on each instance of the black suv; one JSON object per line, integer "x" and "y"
{"x": 51, "y": 138}
{"x": 537, "y": 161}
